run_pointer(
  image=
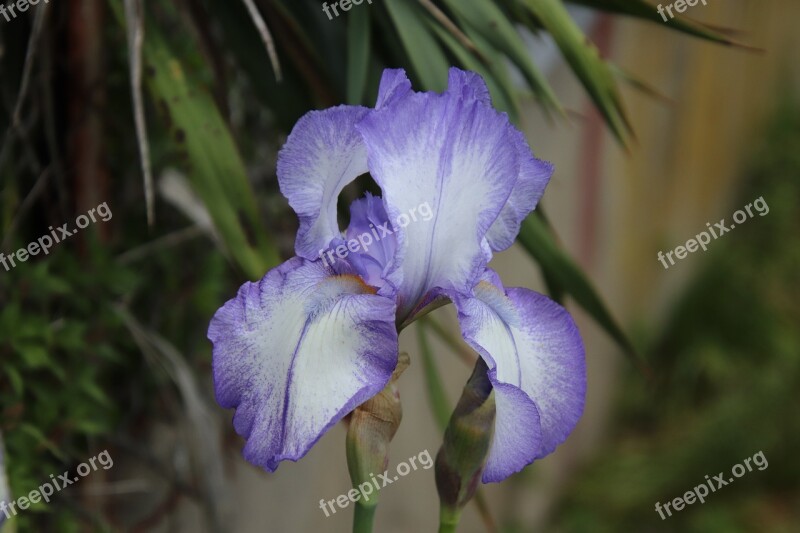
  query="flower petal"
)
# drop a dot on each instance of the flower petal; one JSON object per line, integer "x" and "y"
{"x": 296, "y": 352}
{"x": 394, "y": 85}
{"x": 376, "y": 244}
{"x": 534, "y": 175}
{"x": 469, "y": 85}
{"x": 536, "y": 362}
{"x": 458, "y": 156}
{"x": 322, "y": 155}
{"x": 517, "y": 430}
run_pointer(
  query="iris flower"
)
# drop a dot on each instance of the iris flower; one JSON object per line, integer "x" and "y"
{"x": 298, "y": 350}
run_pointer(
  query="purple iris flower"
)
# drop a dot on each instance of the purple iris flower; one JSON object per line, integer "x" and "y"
{"x": 317, "y": 336}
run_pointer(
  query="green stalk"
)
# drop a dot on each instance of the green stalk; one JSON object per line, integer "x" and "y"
{"x": 364, "y": 517}
{"x": 448, "y": 520}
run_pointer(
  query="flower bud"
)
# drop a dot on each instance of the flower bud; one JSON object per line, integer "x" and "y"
{"x": 372, "y": 427}
{"x": 461, "y": 458}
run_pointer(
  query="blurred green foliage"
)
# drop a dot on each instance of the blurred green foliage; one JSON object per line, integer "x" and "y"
{"x": 61, "y": 353}
{"x": 71, "y": 375}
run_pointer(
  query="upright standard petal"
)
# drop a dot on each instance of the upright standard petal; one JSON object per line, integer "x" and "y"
{"x": 394, "y": 85}
{"x": 536, "y": 363}
{"x": 532, "y": 177}
{"x": 458, "y": 156}
{"x": 468, "y": 85}
{"x": 296, "y": 352}
{"x": 322, "y": 155}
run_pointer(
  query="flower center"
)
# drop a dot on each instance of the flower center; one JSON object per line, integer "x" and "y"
{"x": 369, "y": 244}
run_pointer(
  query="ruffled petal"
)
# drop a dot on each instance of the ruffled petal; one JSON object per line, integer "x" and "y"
{"x": 296, "y": 352}
{"x": 534, "y": 175}
{"x": 454, "y": 155}
{"x": 394, "y": 85}
{"x": 322, "y": 155}
{"x": 469, "y": 85}
{"x": 536, "y": 363}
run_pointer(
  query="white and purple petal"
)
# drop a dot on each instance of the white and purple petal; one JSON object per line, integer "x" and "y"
{"x": 322, "y": 155}
{"x": 536, "y": 363}
{"x": 455, "y": 153}
{"x": 296, "y": 352}
{"x": 534, "y": 175}
{"x": 468, "y": 85}
{"x": 393, "y": 86}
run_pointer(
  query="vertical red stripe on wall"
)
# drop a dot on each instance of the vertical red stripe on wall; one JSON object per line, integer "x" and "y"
{"x": 590, "y": 173}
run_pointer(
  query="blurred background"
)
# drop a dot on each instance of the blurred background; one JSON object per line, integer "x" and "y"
{"x": 170, "y": 115}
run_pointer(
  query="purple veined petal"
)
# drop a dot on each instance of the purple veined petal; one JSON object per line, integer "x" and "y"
{"x": 458, "y": 157}
{"x": 371, "y": 236}
{"x": 322, "y": 155}
{"x": 296, "y": 352}
{"x": 534, "y": 175}
{"x": 469, "y": 85}
{"x": 393, "y": 86}
{"x": 536, "y": 363}
{"x": 368, "y": 217}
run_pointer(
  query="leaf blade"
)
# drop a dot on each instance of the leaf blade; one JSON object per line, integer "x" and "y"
{"x": 585, "y": 60}
{"x": 358, "y": 44}
{"x": 493, "y": 25}
{"x": 424, "y": 53}
{"x": 643, "y": 10}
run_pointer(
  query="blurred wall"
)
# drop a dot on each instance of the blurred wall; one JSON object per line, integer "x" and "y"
{"x": 682, "y": 172}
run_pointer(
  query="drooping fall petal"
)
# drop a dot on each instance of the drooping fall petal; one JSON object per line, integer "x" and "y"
{"x": 537, "y": 367}
{"x": 295, "y": 352}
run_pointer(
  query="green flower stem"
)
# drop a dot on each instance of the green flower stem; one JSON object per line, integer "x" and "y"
{"x": 364, "y": 517}
{"x": 433, "y": 380}
{"x": 448, "y": 519}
